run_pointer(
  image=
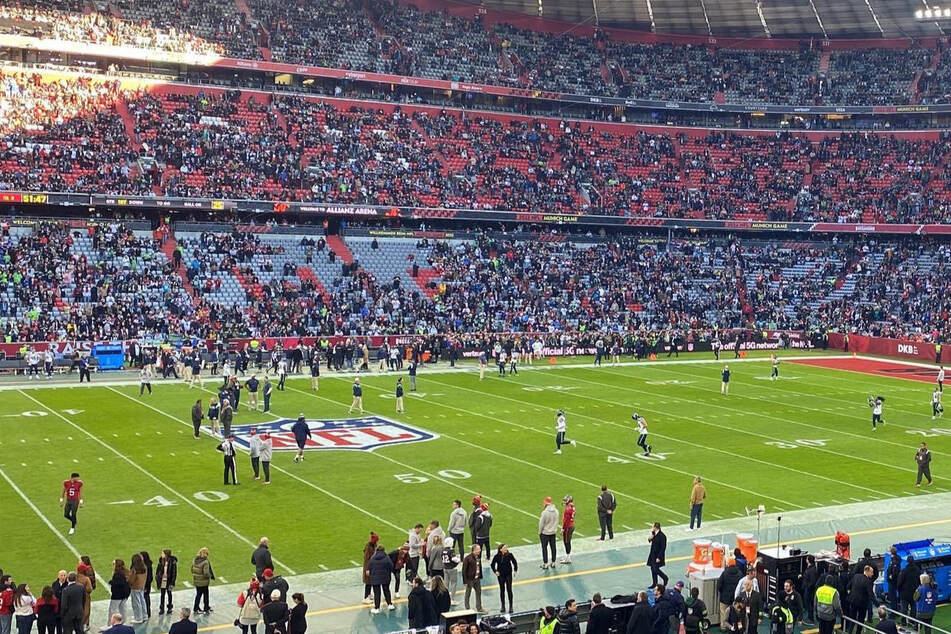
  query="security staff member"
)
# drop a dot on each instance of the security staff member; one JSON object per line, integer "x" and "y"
{"x": 198, "y": 415}
{"x": 227, "y": 448}
{"x": 828, "y": 605}
{"x": 266, "y": 390}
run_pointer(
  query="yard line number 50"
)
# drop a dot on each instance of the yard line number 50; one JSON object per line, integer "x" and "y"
{"x": 414, "y": 478}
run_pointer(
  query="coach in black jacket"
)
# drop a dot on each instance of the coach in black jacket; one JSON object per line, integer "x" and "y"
{"x": 908, "y": 581}
{"x": 261, "y": 559}
{"x": 72, "y": 606}
{"x": 642, "y": 616}
{"x": 600, "y": 617}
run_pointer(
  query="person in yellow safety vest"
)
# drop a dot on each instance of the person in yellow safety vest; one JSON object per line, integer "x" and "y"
{"x": 548, "y": 622}
{"x": 828, "y": 605}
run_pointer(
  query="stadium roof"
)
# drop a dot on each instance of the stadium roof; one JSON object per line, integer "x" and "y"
{"x": 742, "y": 18}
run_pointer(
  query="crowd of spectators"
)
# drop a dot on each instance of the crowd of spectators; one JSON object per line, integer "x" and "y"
{"x": 101, "y": 282}
{"x": 58, "y": 282}
{"x": 69, "y": 136}
{"x": 398, "y": 38}
{"x": 192, "y": 27}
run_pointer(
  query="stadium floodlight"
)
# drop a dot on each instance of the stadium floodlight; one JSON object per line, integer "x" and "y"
{"x": 936, "y": 13}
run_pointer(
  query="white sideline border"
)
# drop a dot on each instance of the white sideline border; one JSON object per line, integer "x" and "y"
{"x": 151, "y": 476}
{"x": 459, "y": 369}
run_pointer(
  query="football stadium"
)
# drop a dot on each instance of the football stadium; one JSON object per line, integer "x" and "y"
{"x": 406, "y": 316}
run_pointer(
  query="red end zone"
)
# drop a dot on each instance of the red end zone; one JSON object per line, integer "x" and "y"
{"x": 876, "y": 367}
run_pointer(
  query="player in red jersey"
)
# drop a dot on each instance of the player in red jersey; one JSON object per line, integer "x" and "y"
{"x": 72, "y": 497}
{"x": 567, "y": 527}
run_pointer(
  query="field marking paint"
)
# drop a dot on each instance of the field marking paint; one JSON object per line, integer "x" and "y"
{"x": 460, "y": 369}
{"x": 513, "y": 458}
{"x": 356, "y": 563}
{"x": 453, "y": 484}
{"x": 45, "y": 519}
{"x": 785, "y": 420}
{"x": 276, "y": 468}
{"x": 655, "y": 463}
{"x": 151, "y": 476}
{"x": 775, "y": 418}
{"x": 849, "y": 411}
{"x": 771, "y": 465}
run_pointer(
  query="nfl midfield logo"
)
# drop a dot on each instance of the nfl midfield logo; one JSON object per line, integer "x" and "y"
{"x": 362, "y": 434}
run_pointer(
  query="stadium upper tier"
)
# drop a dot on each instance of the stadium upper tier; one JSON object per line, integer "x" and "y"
{"x": 59, "y": 282}
{"x": 183, "y": 142}
{"x": 396, "y": 38}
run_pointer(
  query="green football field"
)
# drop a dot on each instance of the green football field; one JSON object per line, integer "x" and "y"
{"x": 804, "y": 441}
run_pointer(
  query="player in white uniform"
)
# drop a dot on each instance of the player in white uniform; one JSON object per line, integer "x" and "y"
{"x": 48, "y": 361}
{"x": 513, "y": 362}
{"x": 876, "y": 403}
{"x": 642, "y": 434}
{"x": 937, "y": 409}
{"x": 145, "y": 381}
{"x": 537, "y": 349}
{"x": 561, "y": 426}
{"x": 33, "y": 359}
{"x": 941, "y": 379}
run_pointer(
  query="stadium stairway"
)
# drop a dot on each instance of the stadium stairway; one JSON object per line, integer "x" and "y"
{"x": 122, "y": 109}
{"x": 247, "y": 285}
{"x": 824, "y": 61}
{"x": 306, "y": 274}
{"x": 168, "y": 248}
{"x": 340, "y": 247}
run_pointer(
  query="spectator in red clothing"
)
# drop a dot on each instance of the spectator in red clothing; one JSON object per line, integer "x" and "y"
{"x": 567, "y": 527}
{"x": 47, "y": 612}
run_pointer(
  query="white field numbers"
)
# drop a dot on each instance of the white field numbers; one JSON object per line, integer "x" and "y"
{"x": 201, "y": 496}
{"x": 796, "y": 444}
{"x": 934, "y": 432}
{"x": 414, "y": 478}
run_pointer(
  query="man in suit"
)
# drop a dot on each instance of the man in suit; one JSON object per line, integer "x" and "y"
{"x": 184, "y": 626}
{"x": 72, "y": 606}
{"x": 657, "y": 557}
{"x": 642, "y": 616}
{"x": 860, "y": 596}
{"x": 600, "y": 617}
{"x": 753, "y": 604}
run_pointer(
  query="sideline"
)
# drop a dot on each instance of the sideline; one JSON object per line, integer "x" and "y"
{"x": 606, "y": 569}
{"x": 461, "y": 368}
{"x": 150, "y": 475}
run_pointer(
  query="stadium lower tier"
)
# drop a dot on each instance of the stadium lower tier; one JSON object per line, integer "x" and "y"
{"x": 74, "y": 281}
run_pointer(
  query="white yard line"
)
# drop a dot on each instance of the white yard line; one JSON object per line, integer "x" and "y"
{"x": 652, "y": 463}
{"x": 279, "y": 469}
{"x": 708, "y": 404}
{"x": 151, "y": 476}
{"x": 425, "y": 371}
{"x": 746, "y": 458}
{"x": 513, "y": 458}
{"x": 45, "y": 520}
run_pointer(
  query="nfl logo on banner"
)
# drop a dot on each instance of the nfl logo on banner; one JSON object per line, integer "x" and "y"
{"x": 362, "y": 434}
